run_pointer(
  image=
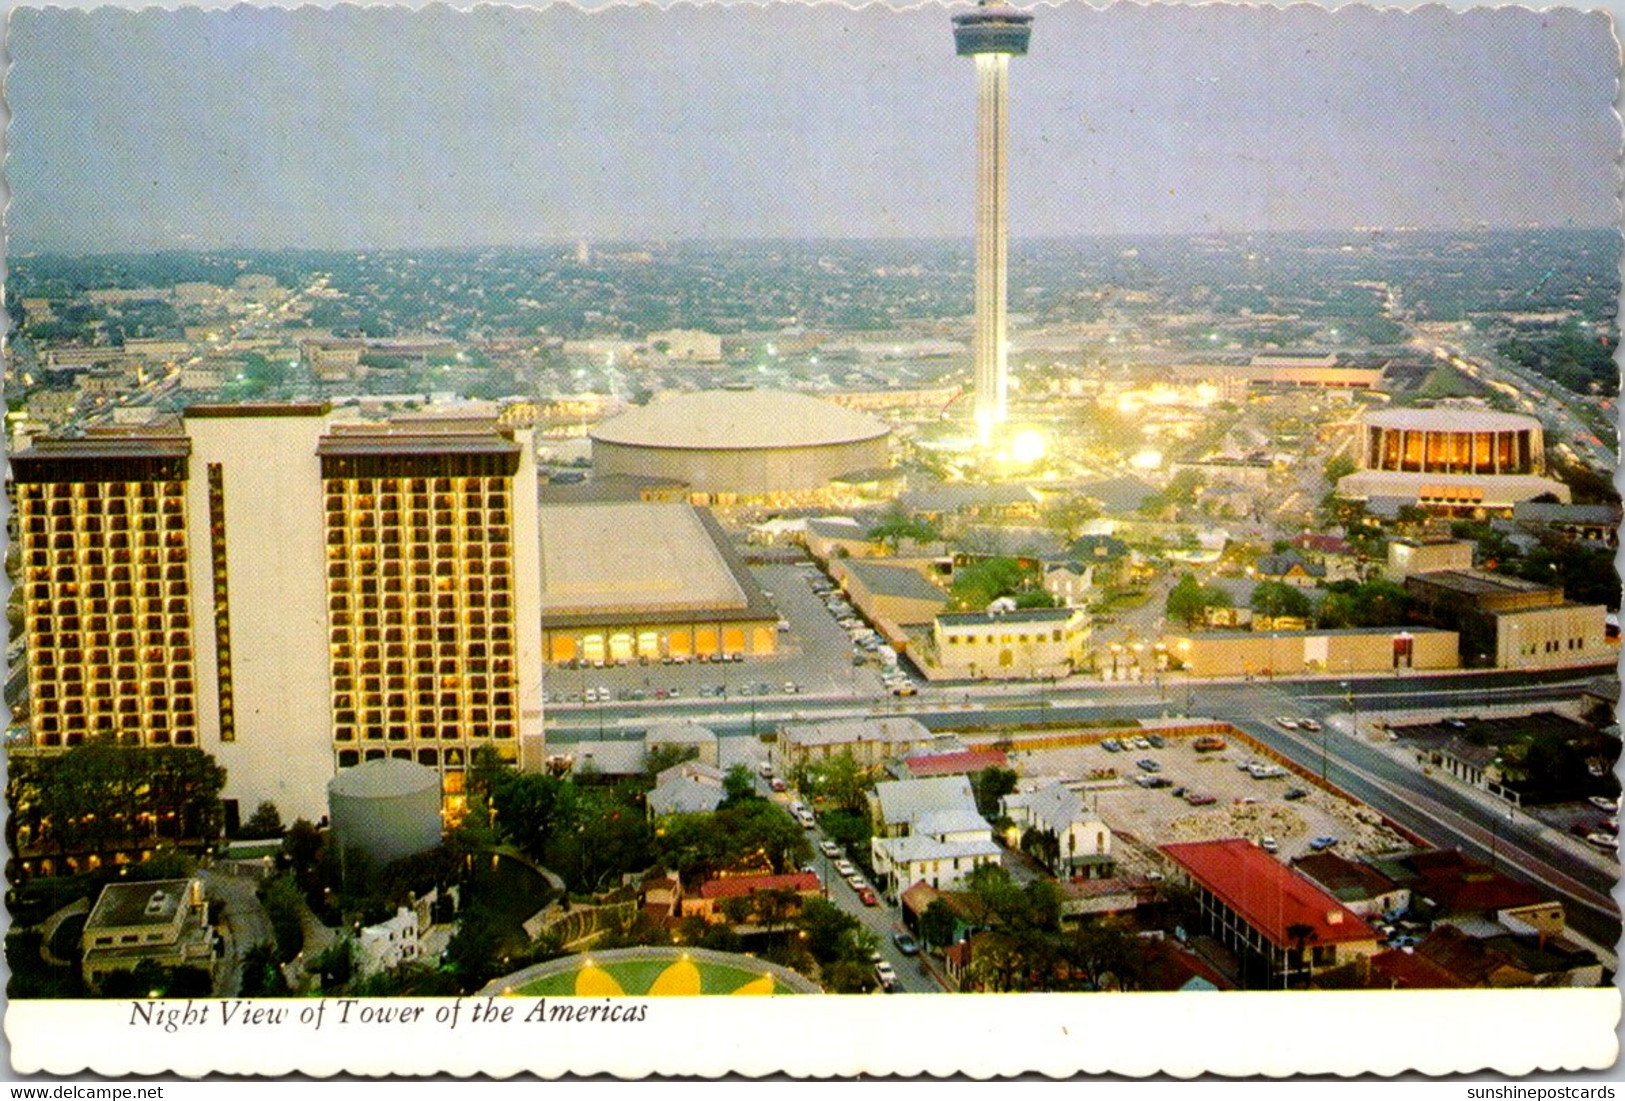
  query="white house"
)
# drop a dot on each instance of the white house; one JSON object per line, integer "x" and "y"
{"x": 928, "y": 831}
{"x": 1082, "y": 842}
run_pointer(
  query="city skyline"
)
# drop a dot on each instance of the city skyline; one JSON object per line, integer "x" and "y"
{"x": 179, "y": 138}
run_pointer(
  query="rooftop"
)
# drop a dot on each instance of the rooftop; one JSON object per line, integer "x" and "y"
{"x": 954, "y": 764}
{"x": 840, "y": 731}
{"x": 123, "y": 905}
{"x": 896, "y": 581}
{"x": 1268, "y": 895}
{"x": 639, "y": 560}
{"x": 1451, "y": 420}
{"x": 734, "y": 420}
{"x": 735, "y": 885}
{"x": 1020, "y": 615}
{"x": 1478, "y": 582}
{"x": 905, "y": 800}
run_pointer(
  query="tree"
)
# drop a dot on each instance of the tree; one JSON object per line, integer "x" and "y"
{"x": 1338, "y": 468}
{"x": 897, "y": 524}
{"x": 284, "y": 908}
{"x": 1277, "y": 599}
{"x": 841, "y": 781}
{"x": 1107, "y": 955}
{"x": 989, "y": 786}
{"x": 533, "y": 807}
{"x": 738, "y": 785}
{"x": 978, "y": 584}
{"x": 1189, "y": 600}
{"x": 265, "y": 823}
{"x": 662, "y": 757}
{"x": 938, "y": 924}
{"x": 1068, "y": 515}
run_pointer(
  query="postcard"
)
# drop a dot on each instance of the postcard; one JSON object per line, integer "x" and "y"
{"x": 812, "y": 540}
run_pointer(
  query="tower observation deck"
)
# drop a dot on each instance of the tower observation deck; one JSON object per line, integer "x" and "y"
{"x": 993, "y": 33}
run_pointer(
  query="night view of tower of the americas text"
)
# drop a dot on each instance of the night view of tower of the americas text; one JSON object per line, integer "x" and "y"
{"x": 992, "y": 34}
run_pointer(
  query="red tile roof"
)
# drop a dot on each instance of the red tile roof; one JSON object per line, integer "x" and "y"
{"x": 1267, "y": 894}
{"x": 955, "y": 764}
{"x": 801, "y": 882}
{"x": 1408, "y": 971}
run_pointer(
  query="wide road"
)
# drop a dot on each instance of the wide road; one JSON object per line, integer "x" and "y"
{"x": 1422, "y": 804}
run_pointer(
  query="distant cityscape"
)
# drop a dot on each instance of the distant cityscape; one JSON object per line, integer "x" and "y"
{"x": 825, "y": 616}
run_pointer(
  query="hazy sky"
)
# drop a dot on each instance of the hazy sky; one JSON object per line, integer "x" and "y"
{"x": 360, "y": 127}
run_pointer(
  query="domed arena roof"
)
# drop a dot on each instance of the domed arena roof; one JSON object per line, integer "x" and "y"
{"x": 739, "y": 420}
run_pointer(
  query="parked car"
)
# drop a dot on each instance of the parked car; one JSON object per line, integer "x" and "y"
{"x": 777, "y": 784}
{"x": 857, "y": 882}
{"x": 829, "y": 849}
{"x": 886, "y": 974}
{"x": 1324, "y": 841}
{"x": 1112, "y": 745}
{"x": 1269, "y": 844}
{"x": 1199, "y": 799}
{"x": 1157, "y": 741}
{"x": 1603, "y": 840}
{"x": 1309, "y": 724}
{"x": 845, "y": 868}
{"x": 1286, "y": 723}
{"x": 1605, "y": 803}
{"x": 1148, "y": 764}
{"x": 1295, "y": 794}
{"x": 867, "y": 897}
{"x": 905, "y": 944}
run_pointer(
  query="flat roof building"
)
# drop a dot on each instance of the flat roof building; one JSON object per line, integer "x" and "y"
{"x": 165, "y": 922}
{"x": 624, "y": 582}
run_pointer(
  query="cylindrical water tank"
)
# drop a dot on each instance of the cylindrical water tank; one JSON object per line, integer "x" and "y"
{"x": 388, "y": 808}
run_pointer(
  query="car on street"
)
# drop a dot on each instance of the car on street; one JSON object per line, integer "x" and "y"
{"x": 1295, "y": 794}
{"x": 857, "y": 882}
{"x": 829, "y": 849}
{"x": 1157, "y": 741}
{"x": 1324, "y": 841}
{"x": 777, "y": 784}
{"x": 886, "y": 974}
{"x": 1148, "y": 764}
{"x": 1200, "y": 799}
{"x": 1286, "y": 723}
{"x": 905, "y": 944}
{"x": 1309, "y": 724}
{"x": 845, "y": 868}
{"x": 867, "y": 897}
{"x": 1269, "y": 844}
{"x": 1604, "y": 803}
{"x": 1603, "y": 840}
{"x": 1112, "y": 745}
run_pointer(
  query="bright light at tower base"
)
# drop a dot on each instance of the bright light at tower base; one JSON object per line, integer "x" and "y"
{"x": 1028, "y": 446}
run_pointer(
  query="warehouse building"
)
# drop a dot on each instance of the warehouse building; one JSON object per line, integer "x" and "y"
{"x": 644, "y": 582}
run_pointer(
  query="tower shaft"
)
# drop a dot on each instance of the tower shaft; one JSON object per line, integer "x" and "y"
{"x": 992, "y": 239}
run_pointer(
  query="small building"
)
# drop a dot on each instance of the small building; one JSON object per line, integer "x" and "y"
{"x": 685, "y": 791}
{"x": 1071, "y": 840}
{"x": 1360, "y": 887}
{"x": 927, "y": 831}
{"x": 1022, "y": 643}
{"x": 396, "y": 940}
{"x": 1509, "y": 960}
{"x": 1408, "y": 556}
{"x": 1283, "y": 928}
{"x": 1290, "y": 653}
{"x": 685, "y": 735}
{"x": 1070, "y": 581}
{"x": 962, "y": 762}
{"x": 890, "y": 596}
{"x": 1509, "y": 622}
{"x": 164, "y": 922}
{"x": 871, "y": 742}
{"x": 841, "y": 537}
{"x": 1597, "y": 524}
{"x": 1290, "y": 568}
{"x": 708, "y": 901}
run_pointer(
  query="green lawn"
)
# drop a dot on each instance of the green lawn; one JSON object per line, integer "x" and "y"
{"x": 637, "y": 976}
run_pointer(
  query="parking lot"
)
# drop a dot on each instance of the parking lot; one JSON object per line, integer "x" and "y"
{"x": 814, "y": 658}
{"x": 1209, "y": 795}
